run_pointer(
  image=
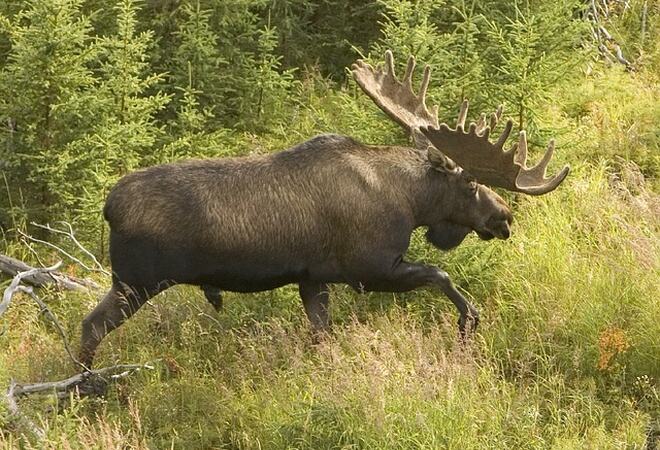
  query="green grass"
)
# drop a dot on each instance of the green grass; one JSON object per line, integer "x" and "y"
{"x": 567, "y": 357}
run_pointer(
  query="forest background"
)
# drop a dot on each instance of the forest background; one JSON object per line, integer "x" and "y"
{"x": 568, "y": 355}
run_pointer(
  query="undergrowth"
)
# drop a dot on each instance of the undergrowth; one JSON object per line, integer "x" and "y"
{"x": 567, "y": 355}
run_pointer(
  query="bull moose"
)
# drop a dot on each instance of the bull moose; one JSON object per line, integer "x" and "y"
{"x": 329, "y": 210}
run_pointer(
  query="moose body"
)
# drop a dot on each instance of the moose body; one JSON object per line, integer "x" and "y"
{"x": 330, "y": 210}
{"x": 326, "y": 210}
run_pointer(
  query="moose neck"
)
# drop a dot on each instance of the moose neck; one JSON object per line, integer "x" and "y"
{"x": 435, "y": 199}
{"x": 429, "y": 196}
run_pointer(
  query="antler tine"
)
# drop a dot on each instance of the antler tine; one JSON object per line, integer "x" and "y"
{"x": 520, "y": 154}
{"x": 481, "y": 123}
{"x": 410, "y": 68}
{"x": 389, "y": 63}
{"x": 505, "y": 134}
{"x": 533, "y": 179}
{"x": 487, "y": 161}
{"x": 396, "y": 97}
{"x": 496, "y": 116}
{"x": 462, "y": 115}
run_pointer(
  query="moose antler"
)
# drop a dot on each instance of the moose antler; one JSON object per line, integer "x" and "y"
{"x": 396, "y": 98}
{"x": 472, "y": 150}
{"x": 487, "y": 161}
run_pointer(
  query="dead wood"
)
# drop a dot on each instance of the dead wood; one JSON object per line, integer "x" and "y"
{"x": 87, "y": 382}
{"x": 39, "y": 278}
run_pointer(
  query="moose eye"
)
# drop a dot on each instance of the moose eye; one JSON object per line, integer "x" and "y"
{"x": 472, "y": 185}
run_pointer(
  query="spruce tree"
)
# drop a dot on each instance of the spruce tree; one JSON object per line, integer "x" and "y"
{"x": 125, "y": 133}
{"x": 47, "y": 102}
{"x": 532, "y": 50}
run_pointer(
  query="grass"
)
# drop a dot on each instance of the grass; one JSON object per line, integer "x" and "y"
{"x": 567, "y": 357}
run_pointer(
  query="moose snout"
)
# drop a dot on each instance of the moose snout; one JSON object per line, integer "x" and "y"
{"x": 501, "y": 229}
{"x": 505, "y": 232}
{"x": 494, "y": 228}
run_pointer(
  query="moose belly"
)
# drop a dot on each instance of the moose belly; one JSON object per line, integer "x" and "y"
{"x": 246, "y": 278}
{"x": 234, "y": 272}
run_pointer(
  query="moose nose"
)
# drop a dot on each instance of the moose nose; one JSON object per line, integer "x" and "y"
{"x": 501, "y": 230}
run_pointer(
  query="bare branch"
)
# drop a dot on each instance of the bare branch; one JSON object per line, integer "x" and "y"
{"x": 88, "y": 382}
{"x": 15, "y": 413}
{"x": 107, "y": 374}
{"x": 15, "y": 284}
{"x": 62, "y": 251}
{"x": 71, "y": 235}
{"x": 29, "y": 291}
{"x": 603, "y": 36}
{"x": 84, "y": 383}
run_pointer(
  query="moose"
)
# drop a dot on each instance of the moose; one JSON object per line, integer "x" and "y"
{"x": 329, "y": 210}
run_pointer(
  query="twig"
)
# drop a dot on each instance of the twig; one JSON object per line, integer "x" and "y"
{"x": 71, "y": 235}
{"x": 15, "y": 284}
{"x": 61, "y": 250}
{"x": 29, "y": 291}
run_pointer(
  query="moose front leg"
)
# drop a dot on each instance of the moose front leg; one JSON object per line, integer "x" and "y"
{"x": 406, "y": 276}
{"x": 467, "y": 312}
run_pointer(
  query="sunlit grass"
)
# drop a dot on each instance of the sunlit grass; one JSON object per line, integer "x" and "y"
{"x": 567, "y": 356}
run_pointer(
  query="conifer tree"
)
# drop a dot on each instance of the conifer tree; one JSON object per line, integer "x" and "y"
{"x": 125, "y": 132}
{"x": 45, "y": 97}
{"x": 533, "y": 49}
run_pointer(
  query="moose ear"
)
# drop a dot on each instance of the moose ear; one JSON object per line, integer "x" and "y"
{"x": 439, "y": 161}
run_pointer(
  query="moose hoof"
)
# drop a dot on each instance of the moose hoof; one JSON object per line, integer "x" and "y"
{"x": 467, "y": 324}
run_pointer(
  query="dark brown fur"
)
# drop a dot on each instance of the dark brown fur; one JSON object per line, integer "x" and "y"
{"x": 330, "y": 210}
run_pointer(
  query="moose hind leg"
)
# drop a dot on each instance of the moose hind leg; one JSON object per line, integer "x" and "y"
{"x": 213, "y": 295}
{"x": 316, "y": 300}
{"x": 115, "y": 308}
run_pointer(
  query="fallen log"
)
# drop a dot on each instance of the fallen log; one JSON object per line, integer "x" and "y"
{"x": 12, "y": 267}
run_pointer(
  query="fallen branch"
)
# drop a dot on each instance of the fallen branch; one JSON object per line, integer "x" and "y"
{"x": 40, "y": 278}
{"x": 15, "y": 285}
{"x": 15, "y": 413}
{"x": 604, "y": 37}
{"x": 87, "y": 382}
{"x": 62, "y": 388}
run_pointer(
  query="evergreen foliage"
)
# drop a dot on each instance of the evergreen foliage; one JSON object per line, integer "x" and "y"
{"x": 568, "y": 355}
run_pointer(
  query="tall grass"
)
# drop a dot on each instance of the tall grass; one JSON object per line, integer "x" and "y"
{"x": 567, "y": 357}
